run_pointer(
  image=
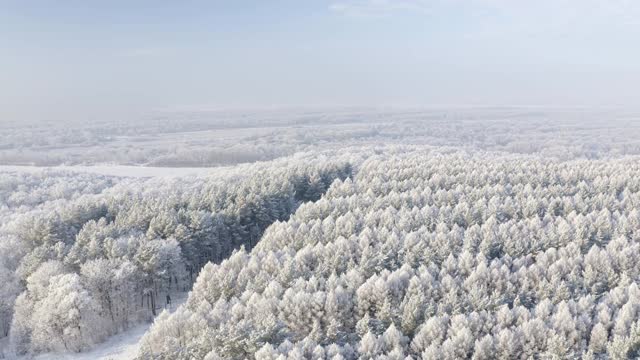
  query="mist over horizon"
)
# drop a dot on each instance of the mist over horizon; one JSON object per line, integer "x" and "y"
{"x": 117, "y": 60}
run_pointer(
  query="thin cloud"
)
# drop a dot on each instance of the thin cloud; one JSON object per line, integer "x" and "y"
{"x": 569, "y": 12}
{"x": 141, "y": 52}
{"x": 377, "y": 8}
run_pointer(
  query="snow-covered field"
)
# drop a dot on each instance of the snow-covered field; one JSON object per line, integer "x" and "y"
{"x": 219, "y": 139}
{"x": 113, "y": 170}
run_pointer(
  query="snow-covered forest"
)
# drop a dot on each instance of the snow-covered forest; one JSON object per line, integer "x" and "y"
{"x": 501, "y": 234}
{"x": 432, "y": 255}
{"x": 320, "y": 180}
{"x": 215, "y": 138}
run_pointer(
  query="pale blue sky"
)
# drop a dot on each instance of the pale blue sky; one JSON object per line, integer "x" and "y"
{"x": 96, "y": 59}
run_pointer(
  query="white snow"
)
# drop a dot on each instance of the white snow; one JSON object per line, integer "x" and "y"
{"x": 113, "y": 170}
{"x": 123, "y": 346}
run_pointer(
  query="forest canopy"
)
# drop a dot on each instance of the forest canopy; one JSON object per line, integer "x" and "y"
{"x": 501, "y": 239}
{"x": 86, "y": 257}
{"x": 433, "y": 255}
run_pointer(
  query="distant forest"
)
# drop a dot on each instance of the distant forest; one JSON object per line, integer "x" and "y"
{"x": 197, "y": 139}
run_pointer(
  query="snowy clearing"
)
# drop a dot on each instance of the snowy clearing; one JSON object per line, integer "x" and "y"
{"x": 123, "y": 346}
{"x": 113, "y": 170}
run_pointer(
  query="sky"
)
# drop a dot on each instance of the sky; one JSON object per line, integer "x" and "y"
{"x": 94, "y": 59}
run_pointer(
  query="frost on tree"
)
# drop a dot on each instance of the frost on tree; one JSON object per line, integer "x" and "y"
{"x": 83, "y": 257}
{"x": 431, "y": 254}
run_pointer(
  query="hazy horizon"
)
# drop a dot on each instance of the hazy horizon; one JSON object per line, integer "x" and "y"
{"x": 117, "y": 59}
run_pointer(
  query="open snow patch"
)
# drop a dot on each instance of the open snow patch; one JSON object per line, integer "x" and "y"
{"x": 122, "y": 346}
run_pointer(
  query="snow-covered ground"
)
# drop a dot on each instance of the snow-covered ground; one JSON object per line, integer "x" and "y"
{"x": 114, "y": 170}
{"x": 123, "y": 346}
